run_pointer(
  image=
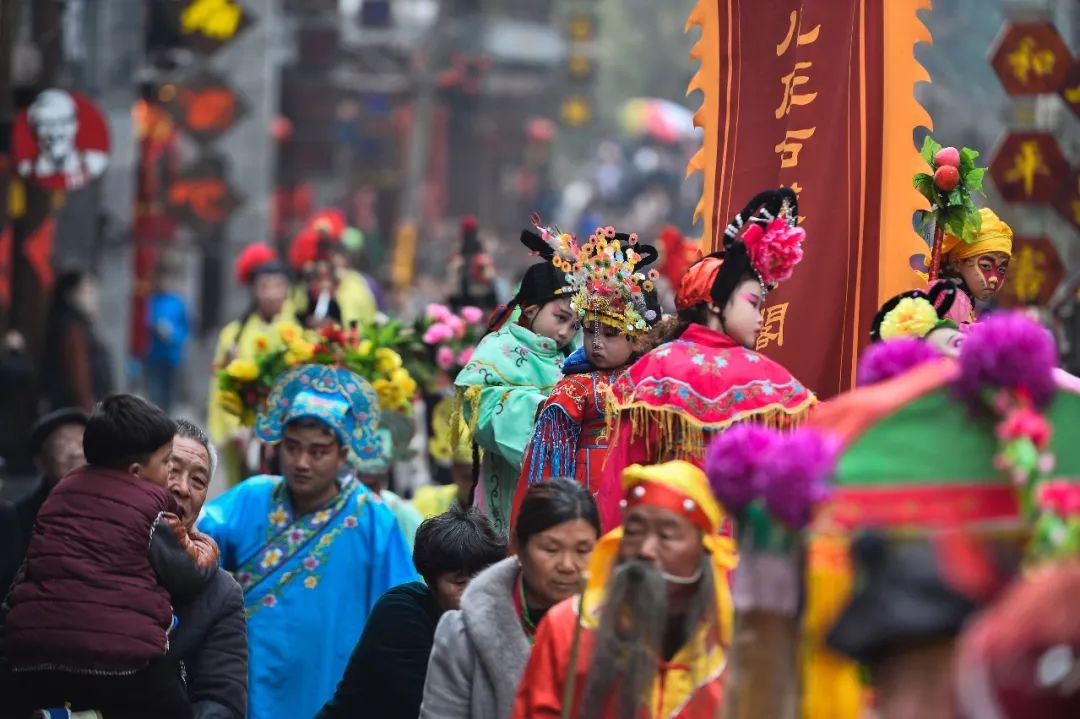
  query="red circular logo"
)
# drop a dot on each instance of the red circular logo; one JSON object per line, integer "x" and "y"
{"x": 60, "y": 141}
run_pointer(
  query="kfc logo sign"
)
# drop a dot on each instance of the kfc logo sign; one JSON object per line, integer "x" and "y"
{"x": 61, "y": 141}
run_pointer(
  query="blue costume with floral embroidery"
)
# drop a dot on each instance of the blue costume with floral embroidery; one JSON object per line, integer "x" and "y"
{"x": 309, "y": 583}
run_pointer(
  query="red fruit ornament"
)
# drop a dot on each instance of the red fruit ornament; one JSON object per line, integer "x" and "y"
{"x": 946, "y": 178}
{"x": 947, "y": 157}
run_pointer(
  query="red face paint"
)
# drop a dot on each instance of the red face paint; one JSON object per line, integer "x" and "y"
{"x": 992, "y": 270}
{"x": 753, "y": 299}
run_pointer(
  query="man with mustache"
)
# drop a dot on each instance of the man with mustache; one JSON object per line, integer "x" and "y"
{"x": 649, "y": 637}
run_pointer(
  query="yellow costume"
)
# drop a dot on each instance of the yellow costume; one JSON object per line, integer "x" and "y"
{"x": 236, "y": 342}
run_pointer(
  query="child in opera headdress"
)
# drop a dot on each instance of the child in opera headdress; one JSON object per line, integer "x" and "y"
{"x": 707, "y": 376}
{"x": 515, "y": 367}
{"x": 617, "y": 306}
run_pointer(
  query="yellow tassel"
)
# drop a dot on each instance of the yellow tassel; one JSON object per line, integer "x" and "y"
{"x": 831, "y": 687}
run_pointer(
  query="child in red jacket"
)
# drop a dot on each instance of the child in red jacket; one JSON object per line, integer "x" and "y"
{"x": 87, "y": 619}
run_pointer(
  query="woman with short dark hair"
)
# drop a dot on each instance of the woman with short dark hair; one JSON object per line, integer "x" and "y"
{"x": 480, "y": 651}
{"x": 385, "y": 675}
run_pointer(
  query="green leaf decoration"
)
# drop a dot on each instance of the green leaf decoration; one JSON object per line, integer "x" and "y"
{"x": 956, "y": 197}
{"x": 975, "y": 219}
{"x": 930, "y": 148}
{"x": 924, "y": 183}
{"x": 973, "y": 179}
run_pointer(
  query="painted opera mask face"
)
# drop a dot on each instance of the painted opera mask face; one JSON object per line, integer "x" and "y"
{"x": 983, "y": 274}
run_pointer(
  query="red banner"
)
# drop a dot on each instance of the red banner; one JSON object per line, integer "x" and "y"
{"x": 815, "y": 95}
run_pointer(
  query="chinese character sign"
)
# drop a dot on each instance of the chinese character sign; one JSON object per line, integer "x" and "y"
{"x": 1029, "y": 167}
{"x": 201, "y": 197}
{"x": 209, "y": 25}
{"x": 794, "y": 95}
{"x": 1034, "y": 273}
{"x": 1068, "y": 203}
{"x": 205, "y": 106}
{"x": 1030, "y": 58}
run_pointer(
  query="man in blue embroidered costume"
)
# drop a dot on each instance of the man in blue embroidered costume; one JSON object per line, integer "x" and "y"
{"x": 312, "y": 552}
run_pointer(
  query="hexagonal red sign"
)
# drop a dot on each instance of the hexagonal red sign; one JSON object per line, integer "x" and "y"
{"x": 1070, "y": 91}
{"x": 1068, "y": 202}
{"x": 1030, "y": 58}
{"x": 1034, "y": 273}
{"x": 1028, "y": 167}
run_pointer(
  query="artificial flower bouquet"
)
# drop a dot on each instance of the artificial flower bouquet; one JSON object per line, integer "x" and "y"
{"x": 447, "y": 341}
{"x": 370, "y": 353}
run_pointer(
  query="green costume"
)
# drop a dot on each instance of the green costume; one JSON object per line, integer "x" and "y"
{"x": 505, "y": 382}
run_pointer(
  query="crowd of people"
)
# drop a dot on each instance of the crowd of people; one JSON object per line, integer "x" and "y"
{"x": 635, "y": 513}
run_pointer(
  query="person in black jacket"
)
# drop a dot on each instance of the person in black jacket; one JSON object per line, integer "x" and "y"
{"x": 385, "y": 675}
{"x": 211, "y": 636}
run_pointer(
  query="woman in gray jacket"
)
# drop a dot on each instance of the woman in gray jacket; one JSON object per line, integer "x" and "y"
{"x": 481, "y": 650}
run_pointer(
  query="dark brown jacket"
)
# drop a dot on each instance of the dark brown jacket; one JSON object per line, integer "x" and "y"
{"x": 105, "y": 564}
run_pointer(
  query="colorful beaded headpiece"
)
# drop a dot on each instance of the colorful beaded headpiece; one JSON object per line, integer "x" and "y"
{"x": 608, "y": 285}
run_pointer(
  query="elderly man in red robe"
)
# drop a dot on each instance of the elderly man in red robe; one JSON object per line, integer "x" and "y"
{"x": 649, "y": 636}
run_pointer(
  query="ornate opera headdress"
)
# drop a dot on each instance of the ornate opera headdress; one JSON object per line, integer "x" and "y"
{"x": 764, "y": 239}
{"x": 608, "y": 284}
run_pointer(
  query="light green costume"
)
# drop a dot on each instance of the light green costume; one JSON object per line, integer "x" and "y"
{"x": 509, "y": 376}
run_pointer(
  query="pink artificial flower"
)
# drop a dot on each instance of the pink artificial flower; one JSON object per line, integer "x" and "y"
{"x": 437, "y": 334}
{"x": 456, "y": 325}
{"x": 444, "y": 357}
{"x": 438, "y": 313}
{"x": 774, "y": 250}
{"x": 1060, "y": 497}
{"x": 1025, "y": 423}
{"x": 465, "y": 356}
{"x": 472, "y": 315}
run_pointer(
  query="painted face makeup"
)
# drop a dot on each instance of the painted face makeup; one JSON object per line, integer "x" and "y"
{"x": 985, "y": 274}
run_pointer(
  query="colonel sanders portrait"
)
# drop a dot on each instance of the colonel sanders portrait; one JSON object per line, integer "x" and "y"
{"x": 54, "y": 120}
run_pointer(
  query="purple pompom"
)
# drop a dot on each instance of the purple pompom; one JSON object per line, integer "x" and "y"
{"x": 885, "y": 360}
{"x": 733, "y": 463}
{"x": 1008, "y": 350}
{"x": 795, "y": 474}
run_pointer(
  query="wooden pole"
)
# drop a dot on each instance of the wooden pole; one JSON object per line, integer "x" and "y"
{"x": 935, "y": 251}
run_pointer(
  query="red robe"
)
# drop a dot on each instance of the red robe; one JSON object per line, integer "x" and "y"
{"x": 676, "y": 397}
{"x": 689, "y": 686}
{"x": 570, "y": 438}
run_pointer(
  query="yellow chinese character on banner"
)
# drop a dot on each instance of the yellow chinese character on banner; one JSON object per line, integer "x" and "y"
{"x": 794, "y": 23}
{"x": 1027, "y": 163}
{"x": 772, "y": 329}
{"x": 1026, "y": 59}
{"x": 218, "y": 19}
{"x": 1075, "y": 204}
{"x": 791, "y": 81}
{"x": 1028, "y": 274}
{"x": 789, "y": 150}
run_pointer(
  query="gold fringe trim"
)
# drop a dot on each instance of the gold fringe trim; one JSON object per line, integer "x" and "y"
{"x": 463, "y": 395}
{"x": 682, "y": 436}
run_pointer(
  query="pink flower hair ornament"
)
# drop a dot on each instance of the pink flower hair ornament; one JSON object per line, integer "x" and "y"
{"x": 774, "y": 249}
